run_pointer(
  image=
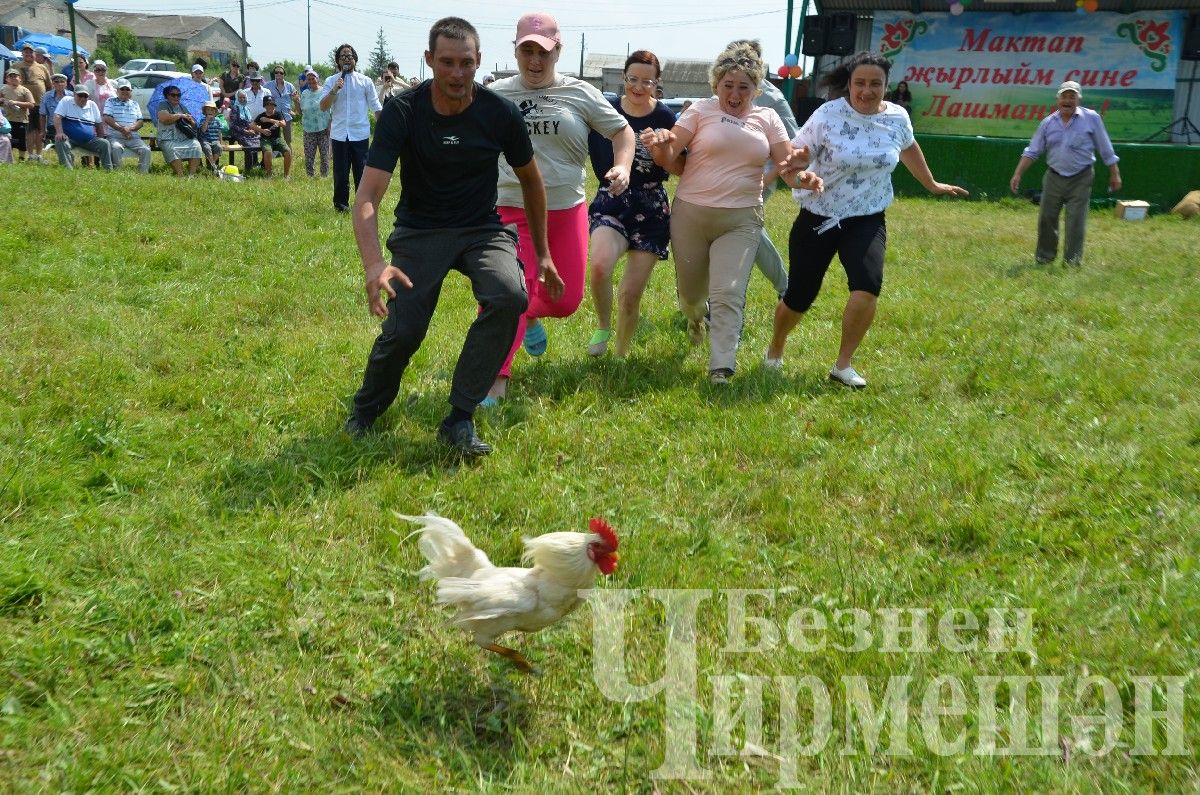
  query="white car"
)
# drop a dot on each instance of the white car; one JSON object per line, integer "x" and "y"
{"x": 144, "y": 84}
{"x": 147, "y": 65}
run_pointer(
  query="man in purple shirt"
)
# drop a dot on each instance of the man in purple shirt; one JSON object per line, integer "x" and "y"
{"x": 1070, "y": 137}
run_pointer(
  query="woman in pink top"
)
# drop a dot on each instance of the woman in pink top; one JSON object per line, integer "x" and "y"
{"x": 718, "y": 214}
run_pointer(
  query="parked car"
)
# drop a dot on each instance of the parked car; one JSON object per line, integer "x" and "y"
{"x": 144, "y": 84}
{"x": 147, "y": 65}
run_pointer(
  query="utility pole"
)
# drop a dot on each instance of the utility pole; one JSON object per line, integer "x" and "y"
{"x": 242, "y": 6}
{"x": 309, "y": 5}
{"x": 74, "y": 46}
{"x": 582, "y": 44}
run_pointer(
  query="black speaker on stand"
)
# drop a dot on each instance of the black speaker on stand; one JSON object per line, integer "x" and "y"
{"x": 843, "y": 34}
{"x": 1191, "y": 39}
{"x": 816, "y": 29}
{"x": 1190, "y": 52}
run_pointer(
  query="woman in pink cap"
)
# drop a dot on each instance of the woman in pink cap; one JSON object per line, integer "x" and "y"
{"x": 559, "y": 113}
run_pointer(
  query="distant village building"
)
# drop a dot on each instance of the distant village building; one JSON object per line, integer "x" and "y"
{"x": 210, "y": 38}
{"x": 44, "y": 16}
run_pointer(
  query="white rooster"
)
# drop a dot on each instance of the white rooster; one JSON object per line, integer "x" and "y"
{"x": 493, "y": 600}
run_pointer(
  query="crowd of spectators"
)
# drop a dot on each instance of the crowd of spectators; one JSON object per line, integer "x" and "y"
{"x": 90, "y": 119}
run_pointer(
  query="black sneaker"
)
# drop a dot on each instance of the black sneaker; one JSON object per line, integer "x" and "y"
{"x": 356, "y": 427}
{"x": 461, "y": 438}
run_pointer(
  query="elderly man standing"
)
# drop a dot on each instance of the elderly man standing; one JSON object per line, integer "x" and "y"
{"x": 351, "y": 96}
{"x": 78, "y": 124}
{"x": 122, "y": 120}
{"x": 1070, "y": 138}
{"x": 446, "y": 134}
{"x": 36, "y": 77}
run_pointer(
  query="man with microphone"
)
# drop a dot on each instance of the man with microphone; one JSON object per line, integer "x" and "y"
{"x": 351, "y": 96}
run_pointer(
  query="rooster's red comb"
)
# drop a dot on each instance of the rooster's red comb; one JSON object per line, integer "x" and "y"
{"x": 601, "y": 528}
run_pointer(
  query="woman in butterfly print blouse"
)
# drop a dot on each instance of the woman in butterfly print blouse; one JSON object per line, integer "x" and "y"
{"x": 856, "y": 140}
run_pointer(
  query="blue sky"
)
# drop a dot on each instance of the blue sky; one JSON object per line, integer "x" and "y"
{"x": 679, "y": 28}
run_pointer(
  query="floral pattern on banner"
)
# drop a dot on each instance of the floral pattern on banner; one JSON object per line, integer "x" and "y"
{"x": 1152, "y": 37}
{"x": 896, "y": 36}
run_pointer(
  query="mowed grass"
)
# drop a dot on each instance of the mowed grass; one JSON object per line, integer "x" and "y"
{"x": 203, "y": 586}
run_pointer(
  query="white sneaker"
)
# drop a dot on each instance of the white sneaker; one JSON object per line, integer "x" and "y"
{"x": 847, "y": 377}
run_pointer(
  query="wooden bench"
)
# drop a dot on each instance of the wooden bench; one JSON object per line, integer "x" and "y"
{"x": 232, "y": 149}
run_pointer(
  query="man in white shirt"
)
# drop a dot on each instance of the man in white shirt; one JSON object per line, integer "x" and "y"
{"x": 351, "y": 96}
{"x": 122, "y": 120}
{"x": 78, "y": 126}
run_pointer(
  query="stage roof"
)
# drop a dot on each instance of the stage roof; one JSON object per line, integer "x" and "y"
{"x": 1065, "y": 6}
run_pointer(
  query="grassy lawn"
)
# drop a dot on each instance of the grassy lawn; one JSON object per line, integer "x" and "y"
{"x": 203, "y": 586}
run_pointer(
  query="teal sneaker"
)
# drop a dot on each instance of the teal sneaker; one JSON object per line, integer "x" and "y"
{"x": 535, "y": 338}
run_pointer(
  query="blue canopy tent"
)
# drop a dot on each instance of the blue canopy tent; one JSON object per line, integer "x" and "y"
{"x": 56, "y": 45}
{"x": 8, "y": 54}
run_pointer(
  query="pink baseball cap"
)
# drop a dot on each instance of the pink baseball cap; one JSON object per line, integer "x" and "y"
{"x": 539, "y": 27}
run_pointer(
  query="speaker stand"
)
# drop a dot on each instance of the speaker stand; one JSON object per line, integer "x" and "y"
{"x": 1184, "y": 123}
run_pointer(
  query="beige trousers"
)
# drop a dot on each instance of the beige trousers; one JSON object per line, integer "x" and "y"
{"x": 714, "y": 250}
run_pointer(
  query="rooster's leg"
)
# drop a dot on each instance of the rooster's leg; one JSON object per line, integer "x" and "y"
{"x": 513, "y": 656}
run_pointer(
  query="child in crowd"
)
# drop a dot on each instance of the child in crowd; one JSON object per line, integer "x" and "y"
{"x": 210, "y": 136}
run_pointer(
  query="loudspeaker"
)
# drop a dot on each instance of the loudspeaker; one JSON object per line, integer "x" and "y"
{"x": 816, "y": 28}
{"x": 1191, "y": 40}
{"x": 843, "y": 34}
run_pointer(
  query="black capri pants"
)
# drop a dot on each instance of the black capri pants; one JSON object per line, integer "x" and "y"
{"x": 859, "y": 242}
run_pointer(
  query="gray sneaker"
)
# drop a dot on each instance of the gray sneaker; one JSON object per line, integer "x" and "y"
{"x": 720, "y": 376}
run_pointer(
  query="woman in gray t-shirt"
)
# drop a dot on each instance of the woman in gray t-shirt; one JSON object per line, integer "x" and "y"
{"x": 559, "y": 113}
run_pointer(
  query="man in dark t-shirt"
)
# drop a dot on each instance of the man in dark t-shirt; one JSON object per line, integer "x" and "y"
{"x": 447, "y": 133}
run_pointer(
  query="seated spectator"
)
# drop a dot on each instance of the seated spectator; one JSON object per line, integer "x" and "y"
{"x": 78, "y": 124}
{"x": 270, "y": 124}
{"x": 50, "y": 101}
{"x": 16, "y": 100}
{"x": 210, "y": 135}
{"x": 122, "y": 122}
{"x": 175, "y": 145}
{"x": 242, "y": 130}
{"x": 6, "y": 140}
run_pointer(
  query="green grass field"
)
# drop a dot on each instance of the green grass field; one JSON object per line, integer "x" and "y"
{"x": 203, "y": 587}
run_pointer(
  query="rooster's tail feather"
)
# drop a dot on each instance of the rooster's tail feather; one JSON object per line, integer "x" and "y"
{"x": 444, "y": 544}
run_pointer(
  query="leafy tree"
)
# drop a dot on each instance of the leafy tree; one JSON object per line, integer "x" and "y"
{"x": 379, "y": 56}
{"x": 122, "y": 45}
{"x": 170, "y": 51}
